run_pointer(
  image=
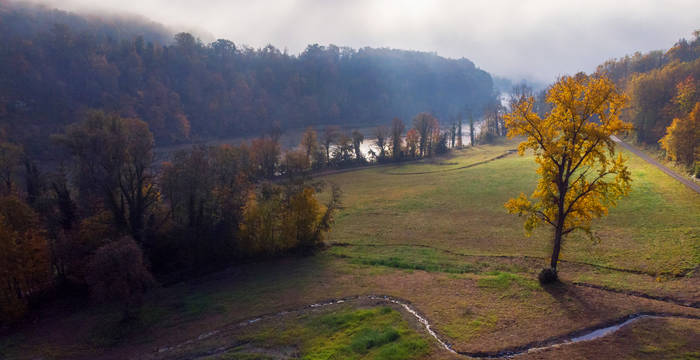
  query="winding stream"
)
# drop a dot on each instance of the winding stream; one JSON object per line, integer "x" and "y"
{"x": 587, "y": 334}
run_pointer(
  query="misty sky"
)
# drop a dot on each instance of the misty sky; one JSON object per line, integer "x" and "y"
{"x": 533, "y": 39}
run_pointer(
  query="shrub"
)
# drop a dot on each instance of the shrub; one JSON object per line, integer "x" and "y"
{"x": 117, "y": 272}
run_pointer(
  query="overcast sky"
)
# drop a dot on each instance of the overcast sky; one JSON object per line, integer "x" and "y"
{"x": 533, "y": 39}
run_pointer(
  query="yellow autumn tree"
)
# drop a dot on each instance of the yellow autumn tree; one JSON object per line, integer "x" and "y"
{"x": 258, "y": 228}
{"x": 309, "y": 144}
{"x": 682, "y": 139}
{"x": 284, "y": 218}
{"x": 685, "y": 93}
{"x": 580, "y": 174}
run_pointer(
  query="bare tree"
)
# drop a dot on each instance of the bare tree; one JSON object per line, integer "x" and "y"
{"x": 424, "y": 124}
{"x": 309, "y": 144}
{"x": 471, "y": 130}
{"x": 382, "y": 135}
{"x": 397, "y": 128}
{"x": 357, "y": 139}
{"x": 330, "y": 134}
{"x": 459, "y": 132}
{"x": 114, "y": 157}
{"x": 519, "y": 93}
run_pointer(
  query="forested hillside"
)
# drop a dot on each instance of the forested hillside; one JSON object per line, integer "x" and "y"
{"x": 57, "y": 65}
{"x": 662, "y": 87}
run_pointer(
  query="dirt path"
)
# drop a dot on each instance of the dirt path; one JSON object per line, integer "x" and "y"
{"x": 687, "y": 182}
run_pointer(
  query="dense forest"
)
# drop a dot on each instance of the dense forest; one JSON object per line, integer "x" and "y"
{"x": 662, "y": 87}
{"x": 59, "y": 65}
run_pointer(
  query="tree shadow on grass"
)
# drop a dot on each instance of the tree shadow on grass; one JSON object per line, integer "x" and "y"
{"x": 570, "y": 299}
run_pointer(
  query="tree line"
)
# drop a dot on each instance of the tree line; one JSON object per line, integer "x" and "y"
{"x": 662, "y": 87}
{"x": 59, "y": 66}
{"x": 111, "y": 220}
{"x": 331, "y": 147}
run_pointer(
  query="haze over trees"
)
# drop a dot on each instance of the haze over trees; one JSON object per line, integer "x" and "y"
{"x": 493, "y": 125}
{"x": 662, "y": 87}
{"x": 62, "y": 65}
{"x": 580, "y": 174}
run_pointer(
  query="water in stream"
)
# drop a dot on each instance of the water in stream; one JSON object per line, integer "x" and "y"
{"x": 290, "y": 139}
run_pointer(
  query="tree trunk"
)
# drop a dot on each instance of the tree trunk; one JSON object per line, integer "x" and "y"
{"x": 557, "y": 246}
{"x": 471, "y": 132}
{"x": 562, "y": 185}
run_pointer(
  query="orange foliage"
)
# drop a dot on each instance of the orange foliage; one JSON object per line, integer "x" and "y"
{"x": 24, "y": 257}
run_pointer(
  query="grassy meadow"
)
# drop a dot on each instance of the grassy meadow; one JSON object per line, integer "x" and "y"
{"x": 435, "y": 234}
{"x": 655, "y": 230}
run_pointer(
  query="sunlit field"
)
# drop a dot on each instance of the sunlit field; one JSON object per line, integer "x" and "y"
{"x": 654, "y": 230}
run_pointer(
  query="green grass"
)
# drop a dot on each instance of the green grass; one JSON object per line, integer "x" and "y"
{"x": 370, "y": 333}
{"x": 197, "y": 305}
{"x": 503, "y": 280}
{"x": 367, "y": 339}
{"x": 458, "y": 159}
{"x": 408, "y": 257}
{"x": 362, "y": 334}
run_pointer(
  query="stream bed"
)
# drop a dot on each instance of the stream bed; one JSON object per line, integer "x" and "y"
{"x": 587, "y": 334}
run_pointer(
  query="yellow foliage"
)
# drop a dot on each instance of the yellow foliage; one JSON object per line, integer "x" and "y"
{"x": 685, "y": 93}
{"x": 580, "y": 174}
{"x": 256, "y": 227}
{"x": 682, "y": 139}
{"x": 281, "y": 222}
